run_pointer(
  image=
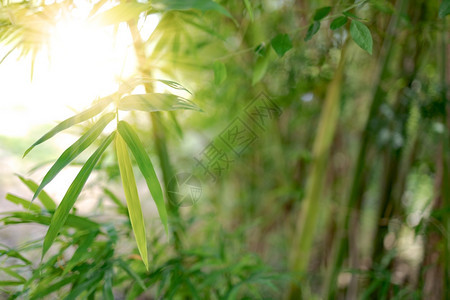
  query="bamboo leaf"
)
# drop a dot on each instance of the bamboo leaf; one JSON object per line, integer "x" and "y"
{"x": 145, "y": 165}
{"x": 81, "y": 251}
{"x": 131, "y": 195}
{"x": 202, "y": 5}
{"x": 338, "y": 22}
{"x": 122, "y": 12}
{"x": 281, "y": 44}
{"x": 249, "y": 8}
{"x": 45, "y": 199}
{"x": 361, "y": 35}
{"x": 220, "y": 72}
{"x": 132, "y": 274}
{"x": 62, "y": 212}
{"x": 74, "y": 150}
{"x": 156, "y": 102}
{"x": 25, "y": 203}
{"x": 81, "y": 117}
{"x": 312, "y": 30}
{"x": 322, "y": 13}
{"x": 444, "y": 8}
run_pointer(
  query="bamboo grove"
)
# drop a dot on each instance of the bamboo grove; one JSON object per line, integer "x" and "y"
{"x": 313, "y": 138}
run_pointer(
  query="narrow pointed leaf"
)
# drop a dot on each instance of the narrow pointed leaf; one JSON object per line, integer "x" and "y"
{"x": 25, "y": 203}
{"x": 131, "y": 194}
{"x": 81, "y": 117}
{"x": 132, "y": 274}
{"x": 220, "y": 72}
{"x": 74, "y": 150}
{"x": 312, "y": 30}
{"x": 62, "y": 212}
{"x": 156, "y": 102}
{"x": 45, "y": 199}
{"x": 145, "y": 165}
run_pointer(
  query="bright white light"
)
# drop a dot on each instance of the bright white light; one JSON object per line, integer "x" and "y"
{"x": 82, "y": 63}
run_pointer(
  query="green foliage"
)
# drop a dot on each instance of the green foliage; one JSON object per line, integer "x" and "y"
{"x": 321, "y": 13}
{"x": 444, "y": 9}
{"x": 338, "y": 22}
{"x": 312, "y": 30}
{"x": 281, "y": 44}
{"x": 361, "y": 35}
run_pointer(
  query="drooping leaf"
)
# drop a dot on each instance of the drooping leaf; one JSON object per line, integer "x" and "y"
{"x": 74, "y": 221}
{"x": 62, "y": 212}
{"x": 74, "y": 150}
{"x": 132, "y": 197}
{"x": 249, "y": 8}
{"x": 122, "y": 12}
{"x": 361, "y": 35}
{"x": 145, "y": 165}
{"x": 312, "y": 30}
{"x": 338, "y": 22}
{"x": 281, "y": 44}
{"x": 220, "y": 72}
{"x": 130, "y": 84}
{"x": 202, "y": 5}
{"x": 321, "y": 13}
{"x": 156, "y": 102}
{"x": 81, "y": 117}
{"x": 444, "y": 9}
{"x": 45, "y": 199}
{"x": 25, "y": 203}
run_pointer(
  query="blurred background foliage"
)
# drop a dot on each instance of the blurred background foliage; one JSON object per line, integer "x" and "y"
{"x": 339, "y": 190}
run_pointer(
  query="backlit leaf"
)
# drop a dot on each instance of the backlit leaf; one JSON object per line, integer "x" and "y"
{"x": 81, "y": 117}
{"x": 25, "y": 203}
{"x": 145, "y": 165}
{"x": 75, "y": 149}
{"x": 361, "y": 35}
{"x": 122, "y": 12}
{"x": 249, "y": 8}
{"x": 131, "y": 195}
{"x": 156, "y": 102}
{"x": 45, "y": 199}
{"x": 62, "y": 212}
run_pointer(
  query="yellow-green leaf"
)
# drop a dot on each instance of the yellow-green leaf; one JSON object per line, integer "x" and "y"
{"x": 25, "y": 203}
{"x": 74, "y": 150}
{"x": 81, "y": 117}
{"x": 145, "y": 165}
{"x": 156, "y": 102}
{"x": 62, "y": 212}
{"x": 131, "y": 194}
{"x": 45, "y": 199}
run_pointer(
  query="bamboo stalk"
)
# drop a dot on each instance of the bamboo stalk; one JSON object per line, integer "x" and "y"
{"x": 314, "y": 200}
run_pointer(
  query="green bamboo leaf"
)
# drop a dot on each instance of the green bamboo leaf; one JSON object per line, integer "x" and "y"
{"x": 45, "y": 199}
{"x": 281, "y": 44}
{"x": 145, "y": 165}
{"x": 120, "y": 13}
{"x": 131, "y": 194}
{"x": 444, "y": 9}
{"x": 129, "y": 85}
{"x": 25, "y": 203}
{"x": 202, "y": 5}
{"x": 338, "y": 22}
{"x": 262, "y": 62}
{"x": 156, "y": 102}
{"x": 322, "y": 13}
{"x": 81, "y": 251}
{"x": 132, "y": 274}
{"x": 361, "y": 35}
{"x": 220, "y": 72}
{"x": 62, "y": 212}
{"x": 74, "y": 150}
{"x": 81, "y": 117}
{"x": 249, "y": 8}
{"x": 107, "y": 287}
{"x": 312, "y": 30}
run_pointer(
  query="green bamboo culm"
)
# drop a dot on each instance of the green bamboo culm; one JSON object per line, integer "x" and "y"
{"x": 308, "y": 219}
